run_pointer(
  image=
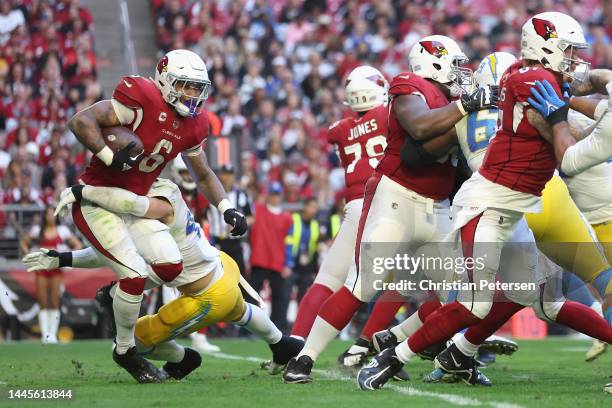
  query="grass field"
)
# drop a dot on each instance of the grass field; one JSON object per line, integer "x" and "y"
{"x": 548, "y": 373}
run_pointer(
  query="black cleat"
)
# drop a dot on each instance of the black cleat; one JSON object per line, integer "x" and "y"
{"x": 402, "y": 375}
{"x": 499, "y": 345}
{"x": 453, "y": 361}
{"x": 287, "y": 348}
{"x": 380, "y": 370}
{"x": 105, "y": 303}
{"x": 141, "y": 369}
{"x": 431, "y": 352}
{"x": 298, "y": 370}
{"x": 484, "y": 358}
{"x": 182, "y": 369}
{"x": 383, "y": 340}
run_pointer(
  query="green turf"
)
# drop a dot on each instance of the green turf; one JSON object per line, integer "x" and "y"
{"x": 548, "y": 373}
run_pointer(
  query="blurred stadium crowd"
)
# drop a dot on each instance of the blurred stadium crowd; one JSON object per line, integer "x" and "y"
{"x": 277, "y": 68}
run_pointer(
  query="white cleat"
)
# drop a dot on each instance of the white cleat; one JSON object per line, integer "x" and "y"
{"x": 201, "y": 344}
{"x": 608, "y": 388}
{"x": 597, "y": 349}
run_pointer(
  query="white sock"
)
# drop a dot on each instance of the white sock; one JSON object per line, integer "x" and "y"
{"x": 320, "y": 336}
{"x": 407, "y": 328}
{"x": 43, "y": 323}
{"x": 465, "y": 346}
{"x": 126, "y": 308}
{"x": 257, "y": 322}
{"x": 403, "y": 352}
{"x": 53, "y": 323}
{"x": 169, "y": 351}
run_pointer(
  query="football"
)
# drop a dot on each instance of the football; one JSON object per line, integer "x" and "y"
{"x": 117, "y": 137}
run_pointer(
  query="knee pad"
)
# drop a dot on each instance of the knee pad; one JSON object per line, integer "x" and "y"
{"x": 132, "y": 286}
{"x": 547, "y": 311}
{"x": 169, "y": 271}
{"x": 478, "y": 309}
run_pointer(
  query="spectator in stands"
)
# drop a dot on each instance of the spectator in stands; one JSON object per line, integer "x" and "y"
{"x": 219, "y": 230}
{"x": 50, "y": 235}
{"x": 271, "y": 248}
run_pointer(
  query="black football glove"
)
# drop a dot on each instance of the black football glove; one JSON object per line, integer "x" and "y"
{"x": 237, "y": 220}
{"x": 482, "y": 98}
{"x": 123, "y": 160}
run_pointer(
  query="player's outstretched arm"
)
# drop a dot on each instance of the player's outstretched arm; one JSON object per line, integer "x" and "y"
{"x": 211, "y": 187}
{"x": 46, "y": 259}
{"x": 117, "y": 200}
{"x": 421, "y": 122}
{"x": 595, "y": 82}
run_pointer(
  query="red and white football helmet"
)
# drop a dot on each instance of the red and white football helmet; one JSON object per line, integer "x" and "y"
{"x": 439, "y": 58}
{"x": 177, "y": 71}
{"x": 553, "y": 39}
{"x": 366, "y": 88}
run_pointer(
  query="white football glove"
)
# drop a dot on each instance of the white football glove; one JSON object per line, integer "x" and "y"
{"x": 41, "y": 260}
{"x": 66, "y": 198}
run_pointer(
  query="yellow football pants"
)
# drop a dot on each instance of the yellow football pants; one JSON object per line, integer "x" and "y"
{"x": 222, "y": 302}
{"x": 604, "y": 235}
{"x": 564, "y": 235}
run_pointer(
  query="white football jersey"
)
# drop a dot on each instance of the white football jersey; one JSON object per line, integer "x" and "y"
{"x": 474, "y": 131}
{"x": 199, "y": 257}
{"x": 591, "y": 189}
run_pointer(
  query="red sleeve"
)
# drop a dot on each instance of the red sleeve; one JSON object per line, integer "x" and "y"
{"x": 405, "y": 84}
{"x": 522, "y": 82}
{"x": 129, "y": 91}
{"x": 331, "y": 133}
{"x": 200, "y": 133}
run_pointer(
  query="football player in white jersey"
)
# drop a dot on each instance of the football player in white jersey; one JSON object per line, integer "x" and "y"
{"x": 208, "y": 283}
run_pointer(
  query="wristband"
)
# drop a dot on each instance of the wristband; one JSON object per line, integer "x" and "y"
{"x": 461, "y": 108}
{"x": 224, "y": 205}
{"x": 106, "y": 155}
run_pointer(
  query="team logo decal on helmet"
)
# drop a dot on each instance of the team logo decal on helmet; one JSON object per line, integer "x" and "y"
{"x": 544, "y": 28}
{"x": 435, "y": 48}
{"x": 162, "y": 65}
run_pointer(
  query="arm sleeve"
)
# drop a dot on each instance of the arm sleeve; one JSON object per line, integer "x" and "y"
{"x": 117, "y": 200}
{"x": 86, "y": 258}
{"x": 594, "y": 149}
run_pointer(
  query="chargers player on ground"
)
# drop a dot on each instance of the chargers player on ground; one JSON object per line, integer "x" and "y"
{"x": 360, "y": 143}
{"x": 402, "y": 205}
{"x": 208, "y": 282}
{"x": 166, "y": 114}
{"x": 518, "y": 163}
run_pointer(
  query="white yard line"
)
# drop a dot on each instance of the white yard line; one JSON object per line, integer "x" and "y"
{"x": 413, "y": 392}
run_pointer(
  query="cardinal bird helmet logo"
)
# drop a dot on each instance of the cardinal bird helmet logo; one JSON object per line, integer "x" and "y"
{"x": 435, "y": 48}
{"x": 544, "y": 28}
{"x": 162, "y": 65}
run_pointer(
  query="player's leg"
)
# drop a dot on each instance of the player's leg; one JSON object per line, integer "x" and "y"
{"x": 109, "y": 236}
{"x": 42, "y": 296}
{"x": 482, "y": 235}
{"x": 382, "y": 314}
{"x": 333, "y": 271}
{"x": 54, "y": 306}
{"x": 565, "y": 237}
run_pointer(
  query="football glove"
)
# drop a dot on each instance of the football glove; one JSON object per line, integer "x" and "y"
{"x": 68, "y": 196}
{"x": 237, "y": 220}
{"x": 482, "y": 98}
{"x": 42, "y": 260}
{"x": 546, "y": 101}
{"x": 122, "y": 159}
